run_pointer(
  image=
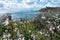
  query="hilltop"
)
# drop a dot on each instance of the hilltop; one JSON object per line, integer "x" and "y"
{"x": 48, "y": 13}
{"x": 50, "y": 9}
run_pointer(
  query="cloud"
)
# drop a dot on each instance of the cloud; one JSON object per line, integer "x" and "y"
{"x": 28, "y": 1}
{"x": 1, "y": 5}
{"x": 55, "y": 1}
{"x": 43, "y": 0}
{"x": 18, "y": 5}
{"x": 15, "y": 5}
{"x": 50, "y": 5}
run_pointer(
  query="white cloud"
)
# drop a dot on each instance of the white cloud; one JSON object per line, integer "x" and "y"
{"x": 10, "y": 1}
{"x": 50, "y": 5}
{"x": 18, "y": 6}
{"x": 15, "y": 5}
{"x": 12, "y": 5}
{"x": 43, "y": 0}
{"x": 55, "y": 1}
{"x": 28, "y": 1}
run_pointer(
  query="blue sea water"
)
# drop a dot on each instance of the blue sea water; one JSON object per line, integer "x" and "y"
{"x": 24, "y": 15}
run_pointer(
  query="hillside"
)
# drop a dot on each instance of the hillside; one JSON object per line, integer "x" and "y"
{"x": 50, "y": 9}
{"x": 48, "y": 13}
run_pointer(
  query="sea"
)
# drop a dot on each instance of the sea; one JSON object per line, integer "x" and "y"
{"x": 29, "y": 15}
{"x": 24, "y": 15}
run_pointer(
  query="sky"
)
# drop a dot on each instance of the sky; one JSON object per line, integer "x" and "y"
{"x": 7, "y": 6}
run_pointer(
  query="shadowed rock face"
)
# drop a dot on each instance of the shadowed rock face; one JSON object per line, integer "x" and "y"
{"x": 54, "y": 9}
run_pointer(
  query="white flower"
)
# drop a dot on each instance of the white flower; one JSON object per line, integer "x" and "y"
{"x": 29, "y": 30}
{"x": 43, "y": 17}
{"x": 50, "y": 28}
{"x": 40, "y": 32}
{"x": 48, "y": 21}
{"x": 6, "y": 22}
{"x": 58, "y": 26}
{"x": 53, "y": 27}
{"x": 46, "y": 34}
